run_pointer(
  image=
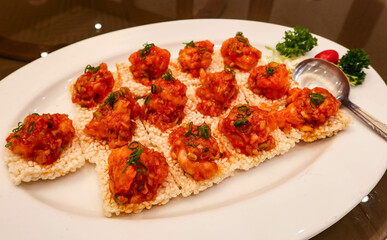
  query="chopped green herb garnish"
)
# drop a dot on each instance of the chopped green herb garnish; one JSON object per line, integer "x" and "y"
{"x": 316, "y": 99}
{"x": 134, "y": 157}
{"x": 20, "y": 125}
{"x": 30, "y": 128}
{"x": 146, "y": 50}
{"x": 270, "y": 70}
{"x": 239, "y": 34}
{"x": 190, "y": 44}
{"x": 91, "y": 69}
{"x": 123, "y": 92}
{"x": 245, "y": 109}
{"x": 204, "y": 131}
{"x": 241, "y": 122}
{"x": 147, "y": 99}
{"x": 229, "y": 69}
{"x": 168, "y": 76}
{"x": 35, "y": 114}
{"x": 191, "y": 143}
{"x": 111, "y": 99}
{"x": 116, "y": 199}
{"x": 206, "y": 150}
{"x": 156, "y": 89}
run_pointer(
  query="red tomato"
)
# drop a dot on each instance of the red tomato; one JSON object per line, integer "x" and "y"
{"x": 329, "y": 55}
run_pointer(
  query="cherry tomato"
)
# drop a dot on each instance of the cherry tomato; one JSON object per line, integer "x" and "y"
{"x": 329, "y": 55}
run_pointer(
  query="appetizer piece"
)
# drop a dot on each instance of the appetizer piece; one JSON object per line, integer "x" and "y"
{"x": 196, "y": 56}
{"x": 217, "y": 92}
{"x": 271, "y": 80}
{"x": 93, "y": 86}
{"x": 112, "y": 121}
{"x": 134, "y": 177}
{"x": 248, "y": 129}
{"x": 164, "y": 107}
{"x": 237, "y": 52}
{"x": 42, "y": 147}
{"x": 149, "y": 63}
{"x": 195, "y": 150}
{"x": 136, "y": 172}
{"x": 307, "y": 109}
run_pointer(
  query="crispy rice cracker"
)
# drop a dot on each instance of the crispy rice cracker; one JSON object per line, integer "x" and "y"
{"x": 21, "y": 170}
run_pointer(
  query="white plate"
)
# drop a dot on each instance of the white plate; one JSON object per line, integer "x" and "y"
{"x": 293, "y": 196}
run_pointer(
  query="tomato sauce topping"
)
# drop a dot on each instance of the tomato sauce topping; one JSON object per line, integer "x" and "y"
{"x": 271, "y": 80}
{"x": 248, "y": 128}
{"x": 41, "y": 138}
{"x": 196, "y": 56}
{"x": 195, "y": 150}
{"x": 112, "y": 121}
{"x": 93, "y": 86}
{"x": 217, "y": 92}
{"x": 307, "y": 108}
{"x": 149, "y": 63}
{"x": 238, "y": 52}
{"x": 164, "y": 107}
{"x": 135, "y": 173}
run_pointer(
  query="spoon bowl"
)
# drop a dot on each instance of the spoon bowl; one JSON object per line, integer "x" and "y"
{"x": 315, "y": 72}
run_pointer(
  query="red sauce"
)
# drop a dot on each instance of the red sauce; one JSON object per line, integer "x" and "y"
{"x": 165, "y": 107}
{"x": 195, "y": 154}
{"x": 149, "y": 63}
{"x": 42, "y": 138}
{"x": 196, "y": 57}
{"x": 113, "y": 121}
{"x": 304, "y": 112}
{"x": 237, "y": 52}
{"x": 93, "y": 86}
{"x": 217, "y": 92}
{"x": 136, "y": 182}
{"x": 271, "y": 80}
{"x": 248, "y": 128}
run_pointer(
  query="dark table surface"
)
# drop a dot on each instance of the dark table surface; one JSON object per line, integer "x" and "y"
{"x": 30, "y": 27}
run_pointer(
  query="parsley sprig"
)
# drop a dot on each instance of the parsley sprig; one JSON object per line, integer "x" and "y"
{"x": 296, "y": 42}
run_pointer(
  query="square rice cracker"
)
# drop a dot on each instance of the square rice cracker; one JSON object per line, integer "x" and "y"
{"x": 126, "y": 79}
{"x": 21, "y": 170}
{"x": 331, "y": 127}
{"x": 283, "y": 144}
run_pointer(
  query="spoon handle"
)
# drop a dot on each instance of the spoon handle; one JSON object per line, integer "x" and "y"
{"x": 379, "y": 127}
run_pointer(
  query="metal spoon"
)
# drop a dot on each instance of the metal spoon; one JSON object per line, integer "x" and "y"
{"x": 315, "y": 72}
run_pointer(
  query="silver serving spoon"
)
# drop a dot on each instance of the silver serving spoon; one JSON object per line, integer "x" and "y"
{"x": 315, "y": 72}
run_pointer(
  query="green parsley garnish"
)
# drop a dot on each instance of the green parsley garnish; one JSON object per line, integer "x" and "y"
{"x": 239, "y": 34}
{"x": 352, "y": 64}
{"x": 91, "y": 69}
{"x": 297, "y": 42}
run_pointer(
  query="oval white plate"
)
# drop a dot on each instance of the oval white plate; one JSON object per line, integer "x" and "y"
{"x": 293, "y": 196}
